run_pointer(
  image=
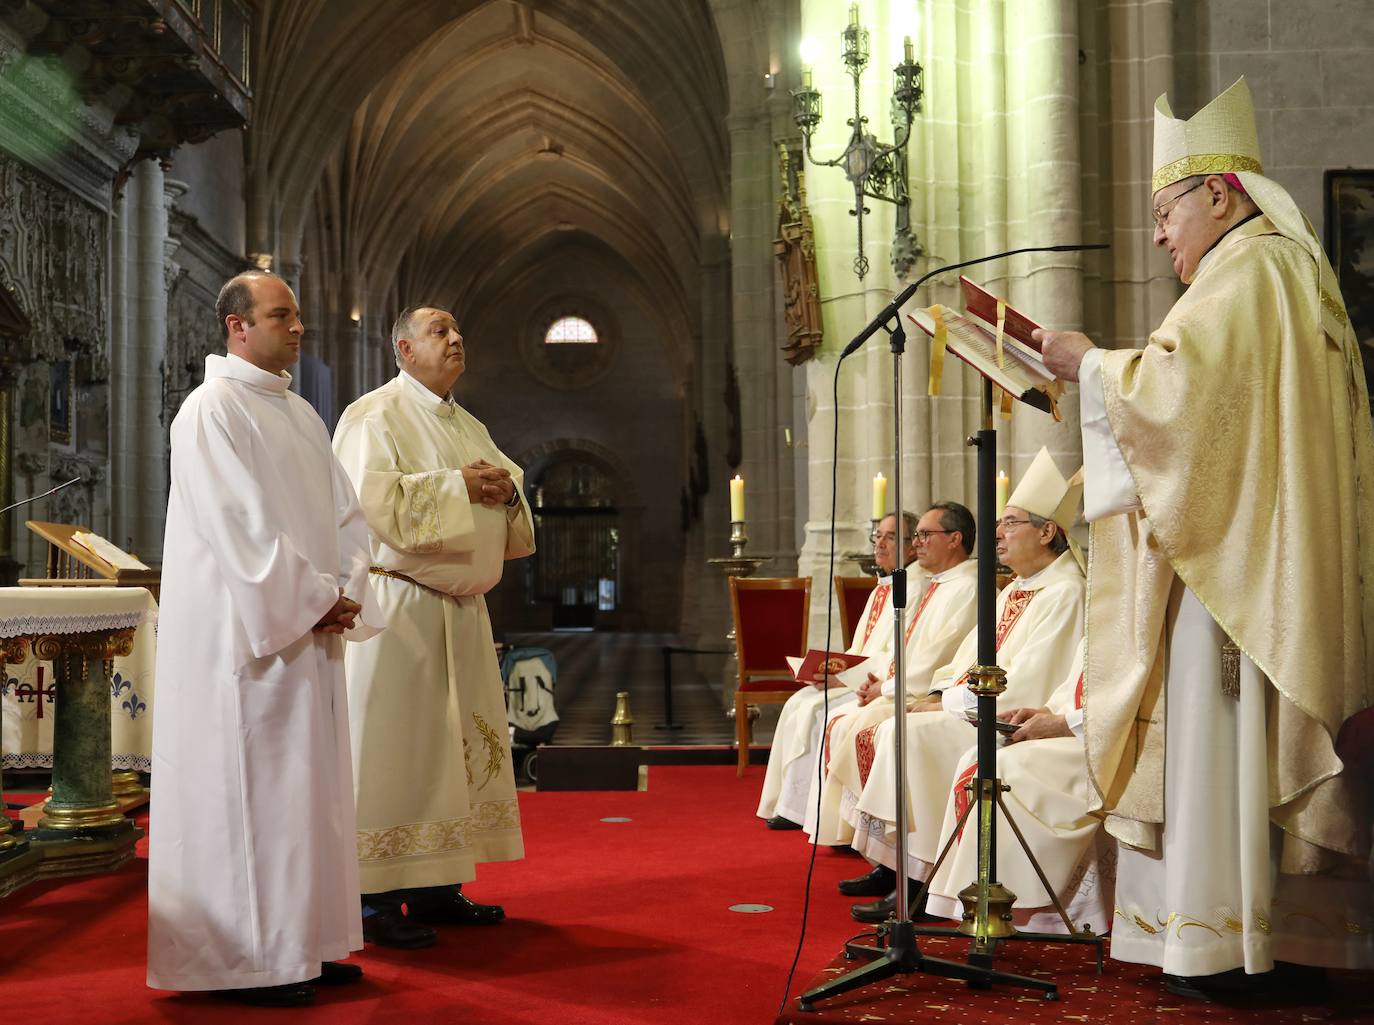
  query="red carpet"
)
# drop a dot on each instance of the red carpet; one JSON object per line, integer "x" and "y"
{"x": 609, "y": 923}
{"x": 1126, "y": 993}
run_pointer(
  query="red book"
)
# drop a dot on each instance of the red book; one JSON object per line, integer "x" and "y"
{"x": 817, "y": 665}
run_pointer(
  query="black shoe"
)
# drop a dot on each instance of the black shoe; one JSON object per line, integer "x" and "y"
{"x": 392, "y": 929}
{"x": 1226, "y": 987}
{"x": 292, "y": 994}
{"x": 453, "y": 908}
{"x": 779, "y": 822}
{"x": 872, "y": 884}
{"x": 336, "y": 973}
{"x": 881, "y": 910}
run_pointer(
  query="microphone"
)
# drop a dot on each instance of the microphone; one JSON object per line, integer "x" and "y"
{"x": 35, "y": 498}
{"x": 894, "y": 307}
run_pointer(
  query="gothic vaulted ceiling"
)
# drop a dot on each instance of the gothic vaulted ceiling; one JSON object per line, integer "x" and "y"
{"x": 447, "y": 147}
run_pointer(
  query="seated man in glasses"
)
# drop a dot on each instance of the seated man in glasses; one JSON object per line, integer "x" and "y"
{"x": 791, "y": 762}
{"x": 1039, "y": 625}
{"x": 1045, "y": 768}
{"x": 942, "y": 613}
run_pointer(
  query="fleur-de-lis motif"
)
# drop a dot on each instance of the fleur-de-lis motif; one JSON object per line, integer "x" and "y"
{"x": 134, "y": 706}
{"x": 118, "y": 685}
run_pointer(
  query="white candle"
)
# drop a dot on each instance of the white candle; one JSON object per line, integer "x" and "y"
{"x": 1003, "y": 490}
{"x": 737, "y": 499}
{"x": 879, "y": 496}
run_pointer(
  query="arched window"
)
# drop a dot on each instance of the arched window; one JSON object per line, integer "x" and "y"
{"x": 570, "y": 329}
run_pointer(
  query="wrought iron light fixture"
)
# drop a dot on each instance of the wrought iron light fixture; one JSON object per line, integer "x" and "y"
{"x": 877, "y": 171}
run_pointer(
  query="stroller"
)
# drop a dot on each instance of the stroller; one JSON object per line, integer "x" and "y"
{"x": 529, "y": 676}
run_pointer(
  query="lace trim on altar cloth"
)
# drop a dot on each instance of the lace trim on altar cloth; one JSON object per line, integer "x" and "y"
{"x": 86, "y": 622}
{"x": 43, "y": 760}
{"x": 437, "y": 837}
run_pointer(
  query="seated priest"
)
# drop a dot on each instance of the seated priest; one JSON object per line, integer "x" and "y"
{"x": 1039, "y": 625}
{"x": 791, "y": 761}
{"x": 939, "y": 617}
{"x": 1045, "y": 768}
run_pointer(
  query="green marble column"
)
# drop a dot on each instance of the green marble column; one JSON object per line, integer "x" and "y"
{"x": 82, "y": 801}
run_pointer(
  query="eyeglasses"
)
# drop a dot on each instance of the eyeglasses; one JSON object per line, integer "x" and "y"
{"x": 1006, "y": 523}
{"x": 887, "y": 536}
{"x": 1161, "y": 213}
{"x": 925, "y": 535}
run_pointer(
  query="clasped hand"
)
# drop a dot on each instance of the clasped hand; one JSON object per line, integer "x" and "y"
{"x": 339, "y": 618}
{"x": 487, "y": 484}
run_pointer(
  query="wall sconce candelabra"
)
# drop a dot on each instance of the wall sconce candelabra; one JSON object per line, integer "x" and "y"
{"x": 877, "y": 171}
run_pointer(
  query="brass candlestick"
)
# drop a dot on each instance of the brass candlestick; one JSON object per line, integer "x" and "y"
{"x": 622, "y": 723}
{"x": 867, "y": 560}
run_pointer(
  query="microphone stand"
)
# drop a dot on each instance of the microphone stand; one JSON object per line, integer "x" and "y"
{"x": 902, "y": 954}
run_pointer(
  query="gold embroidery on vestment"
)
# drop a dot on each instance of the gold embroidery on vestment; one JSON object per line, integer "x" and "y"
{"x": 1230, "y": 669}
{"x": 1334, "y": 307}
{"x": 1203, "y": 163}
{"x": 424, "y": 511}
{"x": 495, "y": 750}
{"x": 437, "y": 837}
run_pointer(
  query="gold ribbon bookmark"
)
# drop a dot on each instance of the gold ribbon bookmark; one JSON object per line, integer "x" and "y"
{"x": 937, "y": 349}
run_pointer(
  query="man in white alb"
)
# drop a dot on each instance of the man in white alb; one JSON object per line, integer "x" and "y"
{"x": 796, "y": 739}
{"x": 252, "y": 873}
{"x": 941, "y": 614}
{"x": 1045, "y": 768}
{"x": 1040, "y": 622}
{"x": 431, "y": 749}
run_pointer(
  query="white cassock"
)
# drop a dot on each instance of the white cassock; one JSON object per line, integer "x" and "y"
{"x": 945, "y": 613}
{"x": 1049, "y": 801}
{"x": 431, "y": 748}
{"x": 1039, "y": 625}
{"x": 252, "y": 878}
{"x": 796, "y": 739}
{"x": 1210, "y": 898}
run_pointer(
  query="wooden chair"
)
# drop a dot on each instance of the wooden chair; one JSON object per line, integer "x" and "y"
{"x": 852, "y": 593}
{"x": 771, "y": 615}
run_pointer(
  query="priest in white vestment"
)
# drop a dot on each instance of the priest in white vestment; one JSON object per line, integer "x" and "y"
{"x": 943, "y": 614}
{"x": 1230, "y": 462}
{"x": 1045, "y": 769}
{"x": 431, "y": 749}
{"x": 252, "y": 873}
{"x": 1040, "y": 622}
{"x": 791, "y": 758}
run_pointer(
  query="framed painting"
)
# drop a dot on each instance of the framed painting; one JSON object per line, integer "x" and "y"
{"x": 1350, "y": 244}
{"x": 61, "y": 398}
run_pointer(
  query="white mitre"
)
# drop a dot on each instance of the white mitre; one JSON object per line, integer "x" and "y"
{"x": 1221, "y": 139}
{"x": 1043, "y": 491}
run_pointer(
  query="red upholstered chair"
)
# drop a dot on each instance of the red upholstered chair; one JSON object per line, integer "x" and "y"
{"x": 853, "y": 595}
{"x": 770, "y": 623}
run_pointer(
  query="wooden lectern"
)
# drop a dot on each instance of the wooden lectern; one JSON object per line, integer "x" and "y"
{"x": 71, "y": 564}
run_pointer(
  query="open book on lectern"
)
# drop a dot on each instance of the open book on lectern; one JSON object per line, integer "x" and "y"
{"x": 1009, "y": 357}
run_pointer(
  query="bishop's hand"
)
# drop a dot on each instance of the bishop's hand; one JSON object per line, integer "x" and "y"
{"x": 1063, "y": 351}
{"x": 487, "y": 484}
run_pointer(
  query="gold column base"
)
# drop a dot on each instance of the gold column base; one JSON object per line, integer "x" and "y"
{"x": 129, "y": 791}
{"x": 18, "y": 870}
{"x": 82, "y": 856}
{"x": 99, "y": 817}
{"x": 8, "y": 841}
{"x": 1000, "y": 901}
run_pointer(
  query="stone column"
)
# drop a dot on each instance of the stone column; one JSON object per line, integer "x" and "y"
{"x": 138, "y": 436}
